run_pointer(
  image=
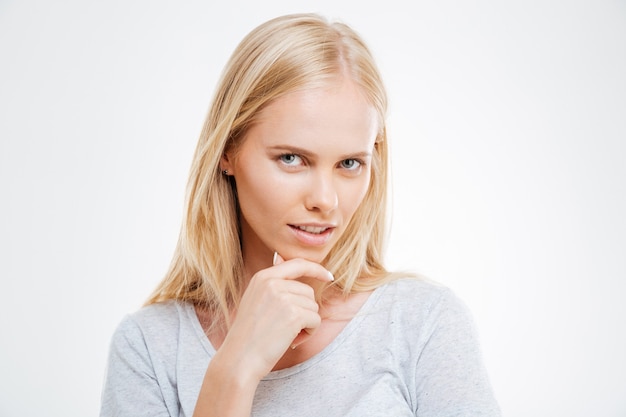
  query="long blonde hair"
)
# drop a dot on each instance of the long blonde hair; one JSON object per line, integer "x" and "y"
{"x": 282, "y": 55}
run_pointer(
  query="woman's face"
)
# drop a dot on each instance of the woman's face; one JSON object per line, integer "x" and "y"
{"x": 302, "y": 170}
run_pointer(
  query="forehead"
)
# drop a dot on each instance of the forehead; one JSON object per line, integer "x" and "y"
{"x": 336, "y": 113}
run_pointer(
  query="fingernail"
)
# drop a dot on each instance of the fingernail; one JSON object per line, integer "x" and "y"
{"x": 332, "y": 278}
{"x": 275, "y": 258}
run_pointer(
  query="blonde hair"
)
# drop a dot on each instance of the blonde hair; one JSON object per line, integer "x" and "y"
{"x": 285, "y": 54}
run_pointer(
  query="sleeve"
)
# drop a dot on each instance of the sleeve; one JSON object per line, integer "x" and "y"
{"x": 130, "y": 386}
{"x": 451, "y": 379}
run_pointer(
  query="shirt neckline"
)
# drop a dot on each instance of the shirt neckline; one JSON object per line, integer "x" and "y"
{"x": 352, "y": 325}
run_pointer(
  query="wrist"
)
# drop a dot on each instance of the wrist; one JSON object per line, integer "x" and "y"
{"x": 227, "y": 390}
{"x": 232, "y": 369}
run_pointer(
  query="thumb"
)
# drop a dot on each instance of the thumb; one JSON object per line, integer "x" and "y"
{"x": 277, "y": 259}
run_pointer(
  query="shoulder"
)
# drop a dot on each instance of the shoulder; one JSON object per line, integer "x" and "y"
{"x": 425, "y": 304}
{"x": 435, "y": 340}
{"x": 143, "y": 361}
{"x": 419, "y": 293}
{"x": 163, "y": 313}
{"x": 151, "y": 322}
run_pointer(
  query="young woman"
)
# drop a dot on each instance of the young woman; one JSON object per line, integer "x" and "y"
{"x": 277, "y": 302}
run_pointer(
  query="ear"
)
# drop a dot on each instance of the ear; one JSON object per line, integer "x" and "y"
{"x": 226, "y": 164}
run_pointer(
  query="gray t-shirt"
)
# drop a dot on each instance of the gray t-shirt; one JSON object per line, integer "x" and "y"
{"x": 411, "y": 350}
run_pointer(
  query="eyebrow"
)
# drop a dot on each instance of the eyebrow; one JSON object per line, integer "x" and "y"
{"x": 309, "y": 154}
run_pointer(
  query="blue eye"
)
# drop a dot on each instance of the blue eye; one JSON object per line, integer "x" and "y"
{"x": 350, "y": 164}
{"x": 290, "y": 159}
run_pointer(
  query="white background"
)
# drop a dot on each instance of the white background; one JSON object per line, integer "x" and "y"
{"x": 508, "y": 130}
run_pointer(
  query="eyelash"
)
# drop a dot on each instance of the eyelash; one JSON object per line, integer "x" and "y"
{"x": 283, "y": 156}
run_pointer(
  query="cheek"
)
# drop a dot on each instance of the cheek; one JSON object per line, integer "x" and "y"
{"x": 261, "y": 196}
{"x": 354, "y": 196}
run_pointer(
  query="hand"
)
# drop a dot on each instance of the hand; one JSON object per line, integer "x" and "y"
{"x": 275, "y": 312}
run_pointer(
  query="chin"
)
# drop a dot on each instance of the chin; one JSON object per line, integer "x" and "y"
{"x": 316, "y": 256}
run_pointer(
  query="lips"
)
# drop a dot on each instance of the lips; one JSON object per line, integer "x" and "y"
{"x": 313, "y": 234}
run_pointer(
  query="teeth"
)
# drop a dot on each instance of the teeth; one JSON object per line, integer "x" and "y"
{"x": 311, "y": 229}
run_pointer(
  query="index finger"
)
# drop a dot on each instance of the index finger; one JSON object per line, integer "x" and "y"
{"x": 301, "y": 268}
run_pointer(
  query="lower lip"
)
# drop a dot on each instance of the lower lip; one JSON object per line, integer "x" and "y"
{"x": 312, "y": 239}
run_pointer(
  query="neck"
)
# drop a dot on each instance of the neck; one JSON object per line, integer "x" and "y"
{"x": 255, "y": 254}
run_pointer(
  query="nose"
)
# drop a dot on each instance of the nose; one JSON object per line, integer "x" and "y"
{"x": 321, "y": 194}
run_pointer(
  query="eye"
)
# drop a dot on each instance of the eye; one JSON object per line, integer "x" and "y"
{"x": 290, "y": 159}
{"x": 350, "y": 164}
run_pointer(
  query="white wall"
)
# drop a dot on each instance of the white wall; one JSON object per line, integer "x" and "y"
{"x": 508, "y": 128}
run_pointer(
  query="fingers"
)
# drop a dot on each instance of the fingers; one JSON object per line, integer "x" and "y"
{"x": 301, "y": 338}
{"x": 298, "y": 268}
{"x": 312, "y": 322}
{"x": 278, "y": 309}
{"x": 306, "y": 332}
{"x": 293, "y": 287}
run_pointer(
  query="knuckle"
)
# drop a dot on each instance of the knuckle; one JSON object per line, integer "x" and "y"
{"x": 310, "y": 292}
{"x": 316, "y": 319}
{"x": 293, "y": 311}
{"x": 284, "y": 299}
{"x": 277, "y": 296}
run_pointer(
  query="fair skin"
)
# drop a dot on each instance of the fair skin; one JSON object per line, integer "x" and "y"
{"x": 302, "y": 171}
